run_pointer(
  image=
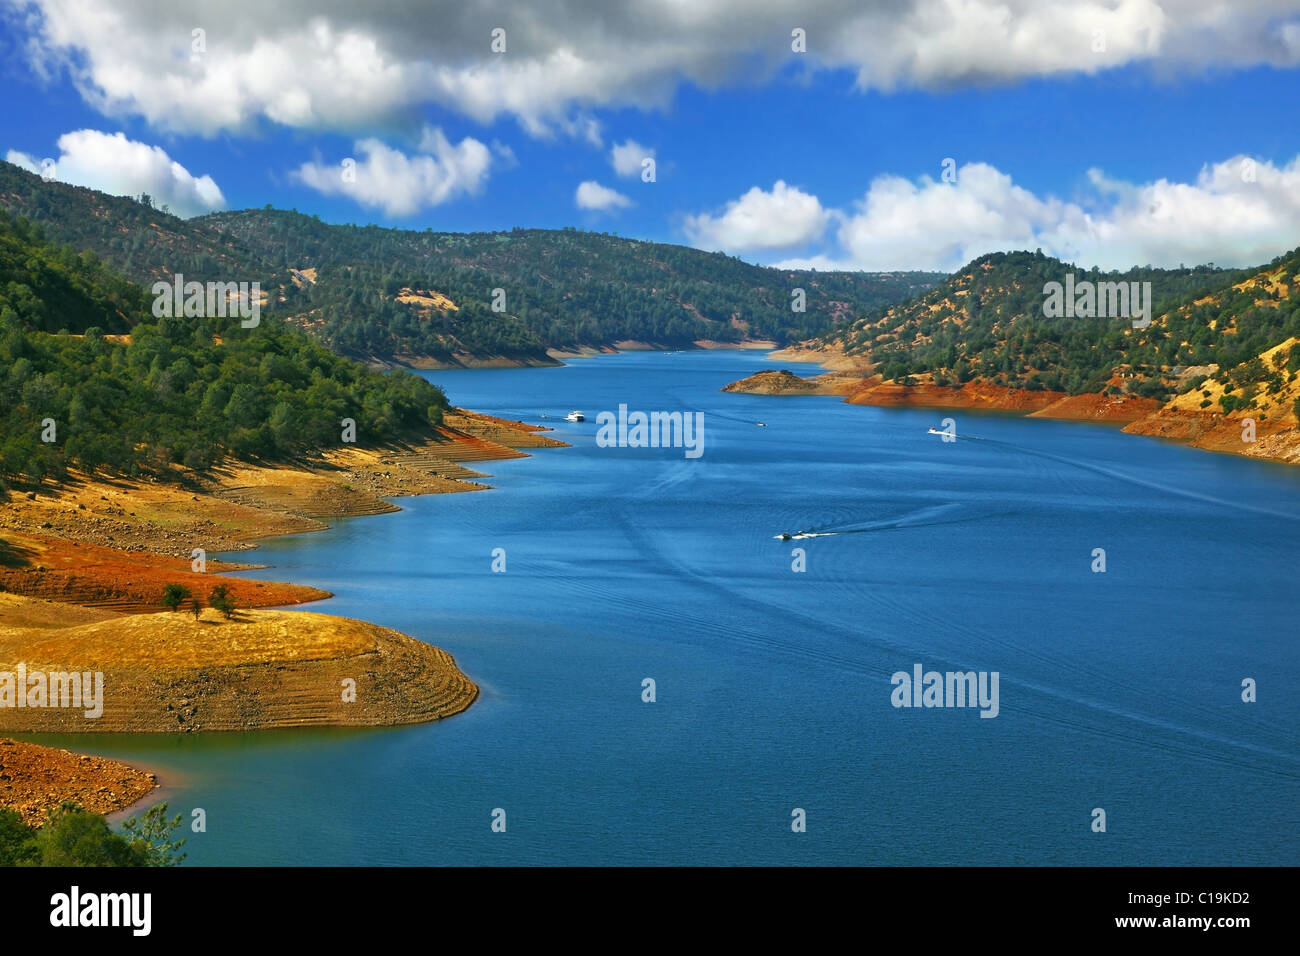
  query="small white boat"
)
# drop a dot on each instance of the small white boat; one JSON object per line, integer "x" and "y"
{"x": 935, "y": 431}
{"x": 761, "y": 424}
{"x": 575, "y": 417}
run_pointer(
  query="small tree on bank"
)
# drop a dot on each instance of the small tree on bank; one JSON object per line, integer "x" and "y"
{"x": 151, "y": 836}
{"x": 72, "y": 836}
{"x": 173, "y": 595}
{"x": 221, "y": 600}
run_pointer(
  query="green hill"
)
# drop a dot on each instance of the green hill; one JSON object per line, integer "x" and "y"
{"x": 987, "y": 324}
{"x": 392, "y": 294}
{"x": 49, "y": 288}
{"x": 1238, "y": 343}
{"x": 174, "y": 391}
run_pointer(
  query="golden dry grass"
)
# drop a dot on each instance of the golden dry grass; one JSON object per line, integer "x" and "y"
{"x": 23, "y": 612}
{"x": 426, "y": 299}
{"x": 1276, "y": 405}
{"x": 175, "y": 640}
{"x": 167, "y": 673}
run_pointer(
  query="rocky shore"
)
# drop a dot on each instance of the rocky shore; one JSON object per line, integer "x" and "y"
{"x": 35, "y": 779}
{"x": 1276, "y": 438}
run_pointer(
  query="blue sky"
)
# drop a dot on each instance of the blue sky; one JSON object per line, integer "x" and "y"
{"x": 768, "y": 155}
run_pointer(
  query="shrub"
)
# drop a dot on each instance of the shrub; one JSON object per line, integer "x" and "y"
{"x": 151, "y": 837}
{"x": 75, "y": 837}
{"x": 17, "y": 840}
{"x": 221, "y": 600}
{"x": 173, "y": 595}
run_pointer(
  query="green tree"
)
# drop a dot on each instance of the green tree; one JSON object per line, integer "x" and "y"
{"x": 244, "y": 408}
{"x": 151, "y": 835}
{"x": 17, "y": 840}
{"x": 72, "y": 836}
{"x": 173, "y": 595}
{"x": 220, "y": 599}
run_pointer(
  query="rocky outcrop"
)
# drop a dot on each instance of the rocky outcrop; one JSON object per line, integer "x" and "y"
{"x": 784, "y": 382}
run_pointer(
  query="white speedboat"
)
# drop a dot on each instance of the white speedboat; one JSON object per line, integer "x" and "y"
{"x": 575, "y": 417}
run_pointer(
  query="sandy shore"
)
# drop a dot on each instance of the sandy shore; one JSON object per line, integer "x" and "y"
{"x": 466, "y": 360}
{"x": 238, "y": 503}
{"x": 632, "y": 345}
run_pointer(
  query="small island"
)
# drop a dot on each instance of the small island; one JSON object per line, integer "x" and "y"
{"x": 785, "y": 382}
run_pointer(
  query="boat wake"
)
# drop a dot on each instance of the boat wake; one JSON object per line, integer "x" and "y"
{"x": 1132, "y": 479}
{"x": 917, "y": 519}
{"x": 1046, "y": 699}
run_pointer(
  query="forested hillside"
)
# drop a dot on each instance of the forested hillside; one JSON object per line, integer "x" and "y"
{"x": 391, "y": 294}
{"x": 987, "y": 324}
{"x": 47, "y": 287}
{"x": 175, "y": 391}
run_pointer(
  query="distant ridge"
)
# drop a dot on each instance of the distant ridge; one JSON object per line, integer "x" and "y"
{"x": 986, "y": 324}
{"x": 1217, "y": 366}
{"x": 421, "y": 298}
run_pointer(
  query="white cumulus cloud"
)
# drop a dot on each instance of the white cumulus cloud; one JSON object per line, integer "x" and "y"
{"x": 401, "y": 184}
{"x": 350, "y": 66}
{"x": 940, "y": 225}
{"x": 119, "y": 166}
{"x": 626, "y": 157}
{"x": 783, "y": 218}
{"x": 1237, "y": 212}
{"x": 593, "y": 196}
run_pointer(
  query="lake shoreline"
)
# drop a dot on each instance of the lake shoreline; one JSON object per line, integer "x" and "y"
{"x": 85, "y": 564}
{"x": 556, "y": 357}
{"x": 610, "y": 550}
{"x": 38, "y": 779}
{"x": 854, "y": 379}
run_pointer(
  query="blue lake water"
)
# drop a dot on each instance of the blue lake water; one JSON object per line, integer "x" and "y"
{"x": 1119, "y": 690}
